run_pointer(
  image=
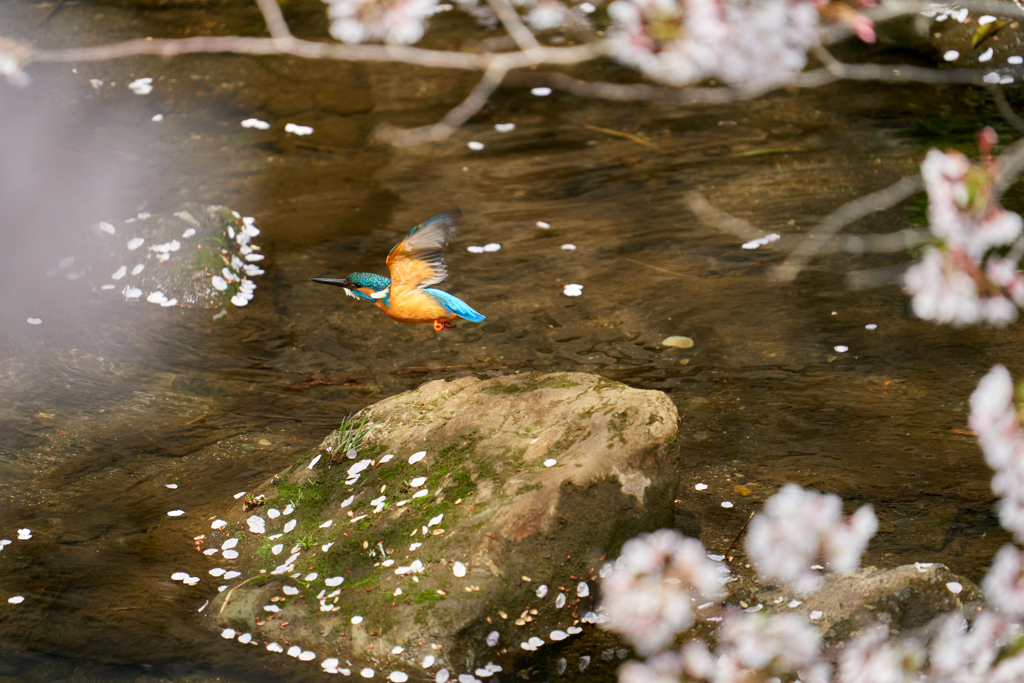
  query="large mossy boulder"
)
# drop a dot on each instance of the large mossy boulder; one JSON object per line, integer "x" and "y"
{"x": 475, "y": 516}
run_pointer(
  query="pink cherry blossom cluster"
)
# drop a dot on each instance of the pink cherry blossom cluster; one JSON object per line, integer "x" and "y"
{"x": 963, "y": 281}
{"x": 740, "y": 42}
{"x": 774, "y": 645}
{"x": 797, "y": 527}
{"x": 995, "y": 419}
{"x": 651, "y": 592}
{"x": 399, "y": 22}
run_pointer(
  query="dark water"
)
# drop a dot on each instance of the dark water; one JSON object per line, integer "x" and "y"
{"x": 105, "y": 402}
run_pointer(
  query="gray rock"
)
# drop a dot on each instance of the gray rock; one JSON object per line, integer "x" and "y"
{"x": 494, "y": 511}
{"x": 905, "y": 599}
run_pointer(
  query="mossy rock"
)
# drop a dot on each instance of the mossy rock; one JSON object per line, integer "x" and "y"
{"x": 499, "y": 520}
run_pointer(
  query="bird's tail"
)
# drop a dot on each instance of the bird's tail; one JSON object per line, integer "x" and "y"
{"x": 455, "y": 305}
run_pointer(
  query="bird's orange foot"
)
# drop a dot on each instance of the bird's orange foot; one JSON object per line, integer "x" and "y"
{"x": 442, "y": 325}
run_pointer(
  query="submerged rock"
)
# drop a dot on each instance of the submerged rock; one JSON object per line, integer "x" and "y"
{"x": 485, "y": 547}
{"x": 196, "y": 257}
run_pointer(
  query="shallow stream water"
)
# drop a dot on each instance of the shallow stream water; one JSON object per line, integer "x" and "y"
{"x": 106, "y": 402}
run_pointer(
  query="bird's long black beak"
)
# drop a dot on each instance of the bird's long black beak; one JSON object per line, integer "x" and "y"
{"x": 337, "y": 283}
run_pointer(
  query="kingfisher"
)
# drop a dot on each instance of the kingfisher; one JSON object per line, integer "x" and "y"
{"x": 415, "y": 263}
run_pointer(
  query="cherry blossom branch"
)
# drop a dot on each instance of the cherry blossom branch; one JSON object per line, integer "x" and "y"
{"x": 840, "y": 218}
{"x": 477, "y": 98}
{"x": 720, "y": 220}
{"x": 1005, "y": 109}
{"x": 274, "y": 18}
{"x": 509, "y": 18}
{"x": 1011, "y": 163}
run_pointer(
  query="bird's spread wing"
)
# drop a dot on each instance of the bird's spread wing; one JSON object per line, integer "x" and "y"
{"x": 417, "y": 260}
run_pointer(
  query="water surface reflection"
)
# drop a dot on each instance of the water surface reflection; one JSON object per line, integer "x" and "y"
{"x": 105, "y": 403}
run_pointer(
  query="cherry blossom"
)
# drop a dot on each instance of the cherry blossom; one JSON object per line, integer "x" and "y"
{"x": 650, "y": 594}
{"x": 393, "y": 21}
{"x": 961, "y": 281}
{"x": 873, "y": 658}
{"x": 798, "y": 526}
{"x": 995, "y": 420}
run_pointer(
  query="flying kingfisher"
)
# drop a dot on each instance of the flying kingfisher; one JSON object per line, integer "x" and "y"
{"x": 415, "y": 263}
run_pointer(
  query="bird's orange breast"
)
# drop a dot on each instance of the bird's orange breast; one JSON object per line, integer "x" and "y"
{"x": 413, "y": 306}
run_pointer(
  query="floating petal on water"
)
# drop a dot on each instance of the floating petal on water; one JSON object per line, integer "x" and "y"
{"x": 289, "y": 526}
{"x": 314, "y": 461}
{"x": 274, "y": 647}
{"x": 227, "y": 633}
{"x": 16, "y": 600}
{"x": 296, "y": 129}
{"x": 257, "y": 524}
{"x": 459, "y": 569}
{"x": 245, "y": 638}
{"x": 175, "y": 513}
{"x": 367, "y": 673}
{"x": 230, "y": 554}
{"x": 416, "y": 457}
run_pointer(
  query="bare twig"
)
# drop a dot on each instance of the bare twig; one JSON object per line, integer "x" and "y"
{"x": 884, "y": 244}
{"x": 621, "y": 134}
{"x": 476, "y": 99}
{"x": 720, "y": 220}
{"x": 875, "y": 277}
{"x": 736, "y": 541}
{"x": 840, "y": 218}
{"x": 509, "y": 18}
{"x": 1011, "y": 163}
{"x": 276, "y": 24}
{"x": 1005, "y": 109}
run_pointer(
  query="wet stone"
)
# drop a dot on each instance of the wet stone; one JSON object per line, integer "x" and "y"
{"x": 446, "y": 573}
{"x": 195, "y": 257}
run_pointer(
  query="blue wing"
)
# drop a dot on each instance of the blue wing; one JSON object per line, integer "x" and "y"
{"x": 454, "y": 305}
